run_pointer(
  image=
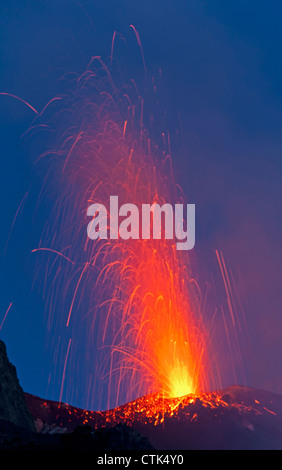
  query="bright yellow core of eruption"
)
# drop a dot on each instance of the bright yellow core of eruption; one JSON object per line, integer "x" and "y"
{"x": 177, "y": 364}
{"x": 180, "y": 381}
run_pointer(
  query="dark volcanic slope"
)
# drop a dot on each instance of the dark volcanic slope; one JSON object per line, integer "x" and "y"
{"x": 12, "y": 400}
{"x": 235, "y": 418}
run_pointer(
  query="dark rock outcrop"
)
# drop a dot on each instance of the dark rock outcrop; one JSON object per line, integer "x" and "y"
{"x": 13, "y": 406}
{"x": 83, "y": 438}
{"x": 119, "y": 437}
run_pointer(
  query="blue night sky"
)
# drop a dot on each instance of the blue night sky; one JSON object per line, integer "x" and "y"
{"x": 222, "y": 72}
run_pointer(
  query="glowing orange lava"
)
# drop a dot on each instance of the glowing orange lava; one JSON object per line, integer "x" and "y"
{"x": 133, "y": 300}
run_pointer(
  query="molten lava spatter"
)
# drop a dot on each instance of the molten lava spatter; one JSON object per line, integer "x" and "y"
{"x": 123, "y": 314}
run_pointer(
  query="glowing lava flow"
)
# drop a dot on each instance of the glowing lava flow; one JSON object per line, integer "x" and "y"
{"x": 127, "y": 305}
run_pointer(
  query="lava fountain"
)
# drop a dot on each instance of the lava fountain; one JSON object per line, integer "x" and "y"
{"x": 123, "y": 314}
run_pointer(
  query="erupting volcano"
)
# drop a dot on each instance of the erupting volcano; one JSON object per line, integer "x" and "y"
{"x": 124, "y": 314}
{"x": 134, "y": 302}
{"x": 140, "y": 238}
